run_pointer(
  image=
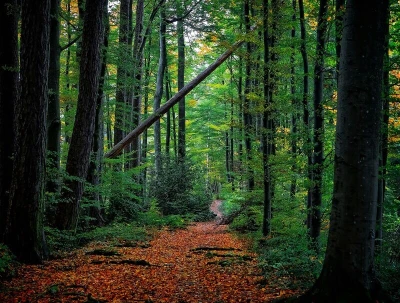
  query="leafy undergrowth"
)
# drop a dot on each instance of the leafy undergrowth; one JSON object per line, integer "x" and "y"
{"x": 203, "y": 263}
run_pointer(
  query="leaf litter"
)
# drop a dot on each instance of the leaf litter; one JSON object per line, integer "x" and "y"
{"x": 202, "y": 263}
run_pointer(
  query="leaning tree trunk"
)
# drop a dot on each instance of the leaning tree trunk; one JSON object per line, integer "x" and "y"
{"x": 24, "y": 233}
{"x": 82, "y": 135}
{"x": 318, "y": 155}
{"x": 8, "y": 98}
{"x": 348, "y": 271}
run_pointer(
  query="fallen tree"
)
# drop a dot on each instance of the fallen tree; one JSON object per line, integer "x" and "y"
{"x": 117, "y": 149}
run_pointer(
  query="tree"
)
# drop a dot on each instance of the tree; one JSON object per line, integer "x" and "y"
{"x": 181, "y": 82}
{"x": 9, "y": 14}
{"x": 53, "y": 115}
{"x": 318, "y": 155}
{"x": 24, "y": 231}
{"x": 82, "y": 136}
{"x": 348, "y": 271}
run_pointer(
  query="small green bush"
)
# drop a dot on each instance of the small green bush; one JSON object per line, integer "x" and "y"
{"x": 7, "y": 262}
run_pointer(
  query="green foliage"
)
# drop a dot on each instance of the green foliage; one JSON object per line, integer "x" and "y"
{"x": 7, "y": 262}
{"x": 179, "y": 189}
{"x": 116, "y": 232}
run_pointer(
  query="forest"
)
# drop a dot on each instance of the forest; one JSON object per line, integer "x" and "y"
{"x": 199, "y": 151}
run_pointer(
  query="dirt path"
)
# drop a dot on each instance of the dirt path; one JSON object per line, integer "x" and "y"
{"x": 203, "y": 263}
{"x": 216, "y": 209}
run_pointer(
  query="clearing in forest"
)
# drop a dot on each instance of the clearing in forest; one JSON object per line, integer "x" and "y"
{"x": 202, "y": 263}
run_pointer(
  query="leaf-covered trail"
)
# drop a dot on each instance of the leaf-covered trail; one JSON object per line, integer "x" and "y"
{"x": 203, "y": 263}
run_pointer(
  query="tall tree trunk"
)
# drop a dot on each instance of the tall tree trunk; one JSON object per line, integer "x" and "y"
{"x": 348, "y": 271}
{"x": 95, "y": 166}
{"x": 318, "y": 155}
{"x": 67, "y": 67}
{"x": 294, "y": 129}
{"x": 181, "y": 84}
{"x": 306, "y": 112}
{"x": 247, "y": 116}
{"x": 121, "y": 99}
{"x": 138, "y": 75}
{"x": 384, "y": 140}
{"x": 339, "y": 13}
{"x": 9, "y": 15}
{"x": 266, "y": 229}
{"x": 53, "y": 115}
{"x": 79, "y": 151}
{"x": 24, "y": 232}
{"x": 159, "y": 90}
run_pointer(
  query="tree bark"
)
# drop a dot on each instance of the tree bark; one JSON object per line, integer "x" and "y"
{"x": 9, "y": 14}
{"x": 122, "y": 71}
{"x": 318, "y": 155}
{"x": 306, "y": 112}
{"x": 181, "y": 84}
{"x": 348, "y": 271}
{"x": 159, "y": 89}
{"x": 138, "y": 75}
{"x": 267, "y": 215}
{"x": 24, "y": 232}
{"x": 116, "y": 150}
{"x": 247, "y": 115}
{"x": 79, "y": 151}
{"x": 53, "y": 114}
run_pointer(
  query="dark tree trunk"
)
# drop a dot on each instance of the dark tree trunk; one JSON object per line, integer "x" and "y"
{"x": 138, "y": 74}
{"x": 181, "y": 84}
{"x": 294, "y": 130}
{"x": 384, "y": 141}
{"x": 348, "y": 271}
{"x": 339, "y": 11}
{"x": 122, "y": 71}
{"x": 82, "y": 136}
{"x": 96, "y": 166}
{"x": 306, "y": 112}
{"x": 53, "y": 114}
{"x": 159, "y": 89}
{"x": 67, "y": 68}
{"x": 9, "y": 14}
{"x": 266, "y": 229}
{"x": 318, "y": 155}
{"x": 24, "y": 233}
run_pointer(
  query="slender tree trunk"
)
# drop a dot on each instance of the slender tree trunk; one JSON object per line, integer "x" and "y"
{"x": 8, "y": 98}
{"x": 318, "y": 155}
{"x": 138, "y": 75}
{"x": 168, "y": 126}
{"x": 53, "y": 115}
{"x": 159, "y": 90}
{"x": 181, "y": 84}
{"x": 266, "y": 229}
{"x": 348, "y": 271}
{"x": 121, "y": 109}
{"x": 24, "y": 232}
{"x": 67, "y": 67}
{"x": 248, "y": 119}
{"x": 306, "y": 113}
{"x": 294, "y": 130}
{"x": 79, "y": 151}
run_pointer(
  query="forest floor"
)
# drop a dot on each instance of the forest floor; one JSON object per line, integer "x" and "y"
{"x": 202, "y": 263}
